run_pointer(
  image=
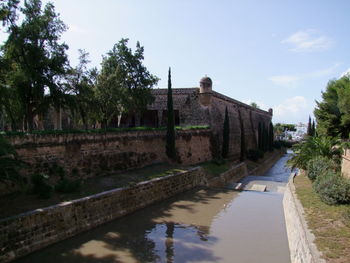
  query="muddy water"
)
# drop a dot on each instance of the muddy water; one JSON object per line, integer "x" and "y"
{"x": 203, "y": 225}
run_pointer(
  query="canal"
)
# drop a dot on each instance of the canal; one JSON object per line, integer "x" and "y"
{"x": 202, "y": 225}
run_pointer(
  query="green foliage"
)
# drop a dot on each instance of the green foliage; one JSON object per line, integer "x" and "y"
{"x": 35, "y": 60}
{"x": 318, "y": 166}
{"x": 333, "y": 112}
{"x": 226, "y": 135}
{"x": 254, "y": 105}
{"x": 255, "y": 154}
{"x": 124, "y": 83}
{"x": 9, "y": 164}
{"x": 40, "y": 186}
{"x": 170, "y": 131}
{"x": 284, "y": 127}
{"x": 309, "y": 128}
{"x": 67, "y": 186}
{"x": 332, "y": 188}
{"x": 8, "y": 10}
{"x": 81, "y": 84}
{"x": 315, "y": 146}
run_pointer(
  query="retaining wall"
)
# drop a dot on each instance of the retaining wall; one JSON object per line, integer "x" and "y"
{"x": 88, "y": 155}
{"x": 27, "y": 232}
{"x": 22, "y": 234}
{"x": 300, "y": 239}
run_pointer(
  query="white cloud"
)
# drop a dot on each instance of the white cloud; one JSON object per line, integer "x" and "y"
{"x": 292, "y": 110}
{"x": 308, "y": 41}
{"x": 292, "y": 81}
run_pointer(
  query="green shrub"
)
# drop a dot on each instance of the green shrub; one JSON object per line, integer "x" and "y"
{"x": 40, "y": 185}
{"x": 332, "y": 188}
{"x": 318, "y": 166}
{"x": 67, "y": 186}
{"x": 255, "y": 154}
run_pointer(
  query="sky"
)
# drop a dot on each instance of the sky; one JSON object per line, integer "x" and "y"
{"x": 277, "y": 53}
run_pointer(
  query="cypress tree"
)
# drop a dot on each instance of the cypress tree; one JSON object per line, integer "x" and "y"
{"x": 242, "y": 137}
{"x": 260, "y": 136}
{"x": 313, "y": 128}
{"x": 226, "y": 136}
{"x": 170, "y": 131}
{"x": 309, "y": 127}
{"x": 271, "y": 137}
{"x": 264, "y": 138}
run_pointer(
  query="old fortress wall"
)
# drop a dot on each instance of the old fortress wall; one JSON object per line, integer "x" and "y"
{"x": 88, "y": 155}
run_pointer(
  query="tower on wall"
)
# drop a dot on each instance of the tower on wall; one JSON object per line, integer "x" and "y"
{"x": 205, "y": 90}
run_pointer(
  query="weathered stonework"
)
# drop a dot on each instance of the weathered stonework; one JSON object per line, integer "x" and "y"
{"x": 203, "y": 106}
{"x": 25, "y": 233}
{"x": 99, "y": 154}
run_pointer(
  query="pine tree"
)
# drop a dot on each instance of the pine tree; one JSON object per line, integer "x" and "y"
{"x": 170, "y": 132}
{"x": 226, "y": 136}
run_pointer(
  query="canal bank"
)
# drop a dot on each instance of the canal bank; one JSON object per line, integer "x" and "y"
{"x": 34, "y": 230}
{"x": 301, "y": 240}
{"x": 200, "y": 225}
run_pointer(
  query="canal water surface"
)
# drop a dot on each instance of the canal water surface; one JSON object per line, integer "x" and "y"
{"x": 202, "y": 225}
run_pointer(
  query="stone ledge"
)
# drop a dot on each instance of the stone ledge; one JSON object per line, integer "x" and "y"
{"x": 301, "y": 240}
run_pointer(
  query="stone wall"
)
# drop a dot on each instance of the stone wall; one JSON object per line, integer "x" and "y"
{"x": 300, "y": 239}
{"x": 345, "y": 165}
{"x": 25, "y": 233}
{"x": 193, "y": 110}
{"x": 88, "y": 155}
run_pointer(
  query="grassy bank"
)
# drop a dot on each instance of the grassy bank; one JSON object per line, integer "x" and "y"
{"x": 330, "y": 224}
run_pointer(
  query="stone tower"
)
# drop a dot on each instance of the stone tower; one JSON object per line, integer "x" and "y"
{"x": 205, "y": 91}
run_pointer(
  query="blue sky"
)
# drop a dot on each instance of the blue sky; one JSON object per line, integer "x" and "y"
{"x": 279, "y": 54}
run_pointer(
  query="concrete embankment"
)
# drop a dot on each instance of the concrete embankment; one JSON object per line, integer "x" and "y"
{"x": 300, "y": 239}
{"x": 31, "y": 231}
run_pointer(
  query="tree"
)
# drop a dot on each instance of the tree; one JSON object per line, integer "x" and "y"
{"x": 243, "y": 148}
{"x": 9, "y": 164}
{"x": 271, "y": 137}
{"x": 260, "y": 136}
{"x": 333, "y": 112}
{"x": 8, "y": 10}
{"x": 226, "y": 135}
{"x": 309, "y": 127}
{"x": 170, "y": 131}
{"x": 313, "y": 128}
{"x": 315, "y": 146}
{"x": 254, "y": 105}
{"x": 37, "y": 61}
{"x": 124, "y": 83}
{"x": 81, "y": 84}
